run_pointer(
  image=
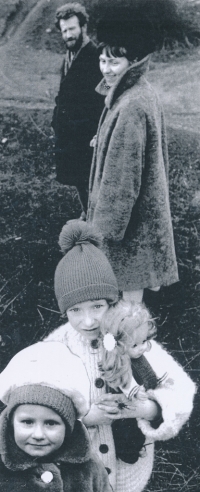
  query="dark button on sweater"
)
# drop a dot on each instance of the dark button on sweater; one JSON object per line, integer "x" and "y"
{"x": 95, "y": 344}
{"x": 99, "y": 383}
{"x": 103, "y": 448}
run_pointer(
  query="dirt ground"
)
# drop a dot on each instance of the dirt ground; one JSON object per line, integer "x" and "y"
{"x": 34, "y": 208}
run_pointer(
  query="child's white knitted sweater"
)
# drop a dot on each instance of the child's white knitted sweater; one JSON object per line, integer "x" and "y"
{"x": 174, "y": 395}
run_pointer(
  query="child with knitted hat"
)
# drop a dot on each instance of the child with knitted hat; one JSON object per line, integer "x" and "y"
{"x": 43, "y": 443}
{"x": 86, "y": 289}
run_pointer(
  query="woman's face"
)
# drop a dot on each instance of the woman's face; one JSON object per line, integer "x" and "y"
{"x": 112, "y": 67}
{"x": 86, "y": 317}
{"x": 38, "y": 430}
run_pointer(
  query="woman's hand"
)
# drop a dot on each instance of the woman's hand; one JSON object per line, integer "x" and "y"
{"x": 103, "y": 413}
{"x": 93, "y": 141}
{"x": 74, "y": 221}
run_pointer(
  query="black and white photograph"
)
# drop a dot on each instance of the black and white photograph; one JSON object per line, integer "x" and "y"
{"x": 99, "y": 245}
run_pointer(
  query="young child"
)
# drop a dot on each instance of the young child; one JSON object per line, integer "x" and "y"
{"x": 43, "y": 443}
{"x": 86, "y": 288}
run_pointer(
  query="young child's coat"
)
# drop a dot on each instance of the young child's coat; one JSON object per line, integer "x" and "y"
{"x": 33, "y": 377}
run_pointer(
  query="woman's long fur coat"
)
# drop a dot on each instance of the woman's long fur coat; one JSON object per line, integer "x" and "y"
{"x": 128, "y": 197}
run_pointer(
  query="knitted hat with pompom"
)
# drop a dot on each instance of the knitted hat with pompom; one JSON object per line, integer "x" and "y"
{"x": 84, "y": 273}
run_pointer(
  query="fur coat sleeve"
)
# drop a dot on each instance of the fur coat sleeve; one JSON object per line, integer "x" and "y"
{"x": 174, "y": 394}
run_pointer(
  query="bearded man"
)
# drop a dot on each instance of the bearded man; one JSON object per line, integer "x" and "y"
{"x": 78, "y": 106}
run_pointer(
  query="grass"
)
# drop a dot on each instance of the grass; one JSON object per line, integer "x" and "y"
{"x": 34, "y": 208}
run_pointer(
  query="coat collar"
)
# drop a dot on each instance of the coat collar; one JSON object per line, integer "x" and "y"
{"x": 77, "y": 451}
{"x": 126, "y": 81}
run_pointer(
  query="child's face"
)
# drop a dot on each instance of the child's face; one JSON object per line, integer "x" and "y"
{"x": 38, "y": 430}
{"x": 140, "y": 342}
{"x": 86, "y": 317}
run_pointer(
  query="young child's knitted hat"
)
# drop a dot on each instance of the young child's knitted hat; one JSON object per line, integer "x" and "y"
{"x": 84, "y": 273}
{"x": 36, "y": 394}
{"x": 47, "y": 374}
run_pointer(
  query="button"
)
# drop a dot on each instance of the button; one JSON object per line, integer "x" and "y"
{"x": 99, "y": 383}
{"x": 95, "y": 344}
{"x": 47, "y": 477}
{"x": 103, "y": 448}
{"x": 108, "y": 470}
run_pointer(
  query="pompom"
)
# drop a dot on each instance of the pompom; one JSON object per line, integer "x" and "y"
{"x": 109, "y": 342}
{"x": 78, "y": 232}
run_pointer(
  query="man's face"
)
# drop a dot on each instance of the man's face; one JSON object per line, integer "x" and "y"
{"x": 72, "y": 33}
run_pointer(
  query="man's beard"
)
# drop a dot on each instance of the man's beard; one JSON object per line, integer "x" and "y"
{"x": 76, "y": 46}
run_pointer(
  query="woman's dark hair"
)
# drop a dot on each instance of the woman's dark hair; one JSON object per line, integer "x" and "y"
{"x": 69, "y": 10}
{"x": 112, "y": 51}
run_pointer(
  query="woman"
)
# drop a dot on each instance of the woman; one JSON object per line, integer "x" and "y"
{"x": 128, "y": 191}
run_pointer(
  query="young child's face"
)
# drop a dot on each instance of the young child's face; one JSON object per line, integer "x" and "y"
{"x": 140, "y": 342}
{"x": 38, "y": 430}
{"x": 86, "y": 317}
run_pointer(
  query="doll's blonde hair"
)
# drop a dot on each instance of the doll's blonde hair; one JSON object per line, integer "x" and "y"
{"x": 122, "y": 321}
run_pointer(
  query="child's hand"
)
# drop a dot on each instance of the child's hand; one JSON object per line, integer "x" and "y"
{"x": 141, "y": 394}
{"x": 102, "y": 413}
{"x": 147, "y": 409}
{"x": 144, "y": 409}
{"x": 109, "y": 399}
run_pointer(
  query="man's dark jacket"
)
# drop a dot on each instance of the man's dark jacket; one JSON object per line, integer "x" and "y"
{"x": 76, "y": 115}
